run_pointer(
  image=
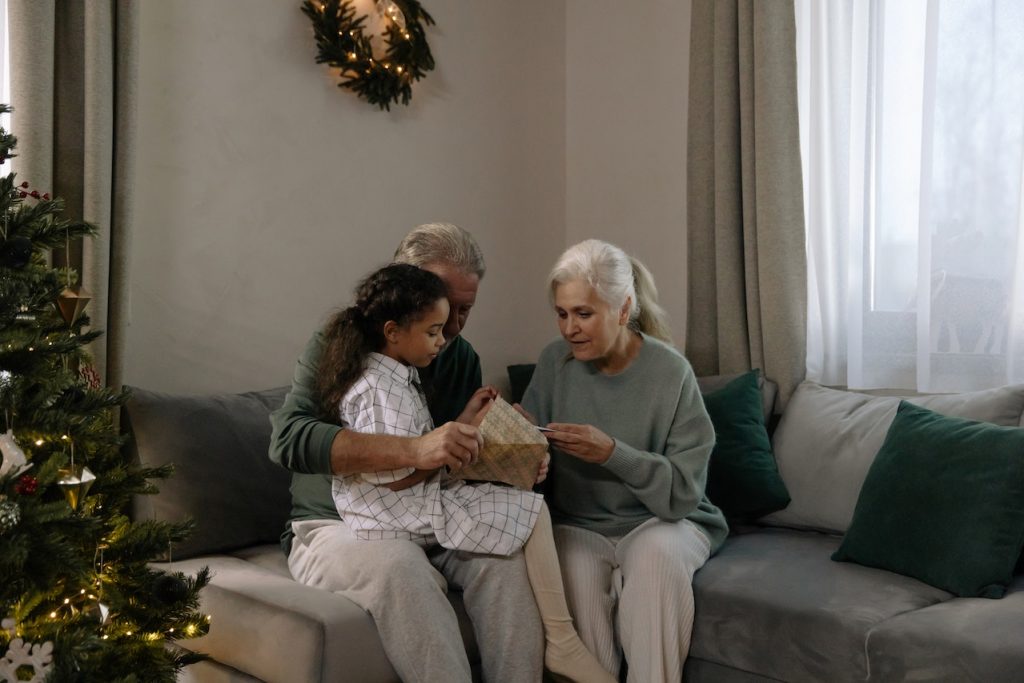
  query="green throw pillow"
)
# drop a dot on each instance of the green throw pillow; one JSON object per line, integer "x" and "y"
{"x": 743, "y": 479}
{"x": 943, "y": 502}
{"x": 519, "y": 377}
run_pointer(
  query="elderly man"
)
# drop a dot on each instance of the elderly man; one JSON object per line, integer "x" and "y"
{"x": 399, "y": 584}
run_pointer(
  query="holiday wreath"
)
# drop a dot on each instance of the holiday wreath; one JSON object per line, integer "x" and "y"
{"x": 343, "y": 42}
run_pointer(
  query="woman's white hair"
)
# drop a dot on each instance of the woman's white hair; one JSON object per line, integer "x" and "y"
{"x": 442, "y": 243}
{"x": 615, "y": 276}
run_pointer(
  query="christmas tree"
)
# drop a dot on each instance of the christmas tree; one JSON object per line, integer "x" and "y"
{"x": 78, "y": 600}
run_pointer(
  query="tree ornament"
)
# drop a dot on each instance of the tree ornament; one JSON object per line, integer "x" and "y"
{"x": 14, "y": 461}
{"x": 16, "y": 252}
{"x": 98, "y": 611}
{"x": 344, "y": 43}
{"x": 26, "y": 485}
{"x": 10, "y": 515}
{"x": 170, "y": 589}
{"x": 23, "y": 657}
{"x": 75, "y": 481}
{"x": 90, "y": 377}
{"x": 72, "y": 302}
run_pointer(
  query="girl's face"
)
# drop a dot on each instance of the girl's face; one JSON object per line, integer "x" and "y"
{"x": 419, "y": 342}
{"x": 593, "y": 329}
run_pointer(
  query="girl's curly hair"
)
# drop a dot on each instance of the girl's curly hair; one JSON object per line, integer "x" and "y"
{"x": 398, "y": 292}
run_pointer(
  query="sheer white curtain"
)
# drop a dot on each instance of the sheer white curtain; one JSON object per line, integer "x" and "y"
{"x": 912, "y": 121}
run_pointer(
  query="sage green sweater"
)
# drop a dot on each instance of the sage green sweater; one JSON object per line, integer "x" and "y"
{"x": 301, "y": 442}
{"x": 663, "y": 441}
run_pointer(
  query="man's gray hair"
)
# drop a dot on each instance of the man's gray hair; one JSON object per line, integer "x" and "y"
{"x": 442, "y": 243}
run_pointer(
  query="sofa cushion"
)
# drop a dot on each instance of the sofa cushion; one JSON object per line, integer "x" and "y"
{"x": 328, "y": 637}
{"x": 743, "y": 479}
{"x": 772, "y": 602}
{"x": 254, "y": 602}
{"x": 965, "y": 639}
{"x": 223, "y": 478}
{"x": 828, "y": 438}
{"x": 943, "y": 502}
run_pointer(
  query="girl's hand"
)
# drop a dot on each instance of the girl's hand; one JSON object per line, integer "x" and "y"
{"x": 586, "y": 442}
{"x": 542, "y": 471}
{"x": 480, "y": 398}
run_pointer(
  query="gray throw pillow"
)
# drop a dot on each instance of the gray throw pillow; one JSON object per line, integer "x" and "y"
{"x": 828, "y": 438}
{"x": 223, "y": 477}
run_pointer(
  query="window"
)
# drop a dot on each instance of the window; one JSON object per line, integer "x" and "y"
{"x": 912, "y": 133}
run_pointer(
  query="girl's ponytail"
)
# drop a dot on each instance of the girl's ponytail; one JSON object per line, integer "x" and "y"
{"x": 346, "y": 346}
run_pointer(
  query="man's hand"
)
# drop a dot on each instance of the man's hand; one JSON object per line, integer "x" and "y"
{"x": 453, "y": 444}
{"x": 586, "y": 442}
{"x": 480, "y": 398}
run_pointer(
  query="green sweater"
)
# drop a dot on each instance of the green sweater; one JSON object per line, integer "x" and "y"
{"x": 663, "y": 441}
{"x": 301, "y": 442}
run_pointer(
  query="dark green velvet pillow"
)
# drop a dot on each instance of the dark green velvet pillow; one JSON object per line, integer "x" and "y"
{"x": 743, "y": 479}
{"x": 943, "y": 502}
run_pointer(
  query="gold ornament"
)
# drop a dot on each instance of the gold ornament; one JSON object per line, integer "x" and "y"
{"x": 72, "y": 302}
{"x": 75, "y": 482}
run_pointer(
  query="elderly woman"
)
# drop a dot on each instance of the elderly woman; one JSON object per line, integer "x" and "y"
{"x": 631, "y": 443}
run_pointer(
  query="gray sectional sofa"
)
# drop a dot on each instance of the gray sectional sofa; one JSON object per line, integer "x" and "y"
{"x": 771, "y": 605}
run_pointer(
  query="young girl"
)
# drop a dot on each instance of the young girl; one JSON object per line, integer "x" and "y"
{"x": 368, "y": 380}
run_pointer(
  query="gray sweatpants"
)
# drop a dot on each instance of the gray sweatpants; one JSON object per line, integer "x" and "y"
{"x": 403, "y": 589}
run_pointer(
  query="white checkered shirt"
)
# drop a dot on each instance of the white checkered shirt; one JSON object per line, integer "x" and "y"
{"x": 482, "y": 518}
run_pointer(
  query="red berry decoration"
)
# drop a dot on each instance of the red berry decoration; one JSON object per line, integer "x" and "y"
{"x": 25, "y": 184}
{"x": 26, "y": 485}
{"x": 46, "y": 195}
{"x": 35, "y": 193}
{"x": 23, "y": 194}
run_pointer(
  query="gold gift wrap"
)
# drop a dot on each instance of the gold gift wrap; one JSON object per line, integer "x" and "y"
{"x": 513, "y": 448}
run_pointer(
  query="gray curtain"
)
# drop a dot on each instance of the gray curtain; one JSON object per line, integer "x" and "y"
{"x": 747, "y": 265}
{"x": 73, "y": 79}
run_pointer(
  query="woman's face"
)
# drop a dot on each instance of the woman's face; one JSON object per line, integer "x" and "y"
{"x": 587, "y": 322}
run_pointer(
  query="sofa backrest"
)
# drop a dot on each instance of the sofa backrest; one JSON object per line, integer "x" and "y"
{"x": 223, "y": 478}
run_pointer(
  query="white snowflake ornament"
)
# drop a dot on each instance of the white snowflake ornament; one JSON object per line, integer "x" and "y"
{"x": 22, "y": 655}
{"x": 14, "y": 461}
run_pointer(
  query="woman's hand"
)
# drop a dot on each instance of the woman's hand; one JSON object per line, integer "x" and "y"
{"x": 586, "y": 442}
{"x": 480, "y": 398}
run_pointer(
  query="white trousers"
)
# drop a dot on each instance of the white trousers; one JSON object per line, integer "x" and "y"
{"x": 403, "y": 588}
{"x": 633, "y": 596}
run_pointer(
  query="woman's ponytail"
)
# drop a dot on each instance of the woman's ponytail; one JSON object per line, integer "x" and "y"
{"x": 650, "y": 318}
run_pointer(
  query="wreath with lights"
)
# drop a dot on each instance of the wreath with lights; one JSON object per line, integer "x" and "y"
{"x": 343, "y": 42}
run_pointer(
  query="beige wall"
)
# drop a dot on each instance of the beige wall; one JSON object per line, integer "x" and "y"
{"x": 265, "y": 192}
{"x": 627, "y": 66}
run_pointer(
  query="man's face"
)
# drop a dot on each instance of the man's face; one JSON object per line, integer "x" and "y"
{"x": 462, "y": 289}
